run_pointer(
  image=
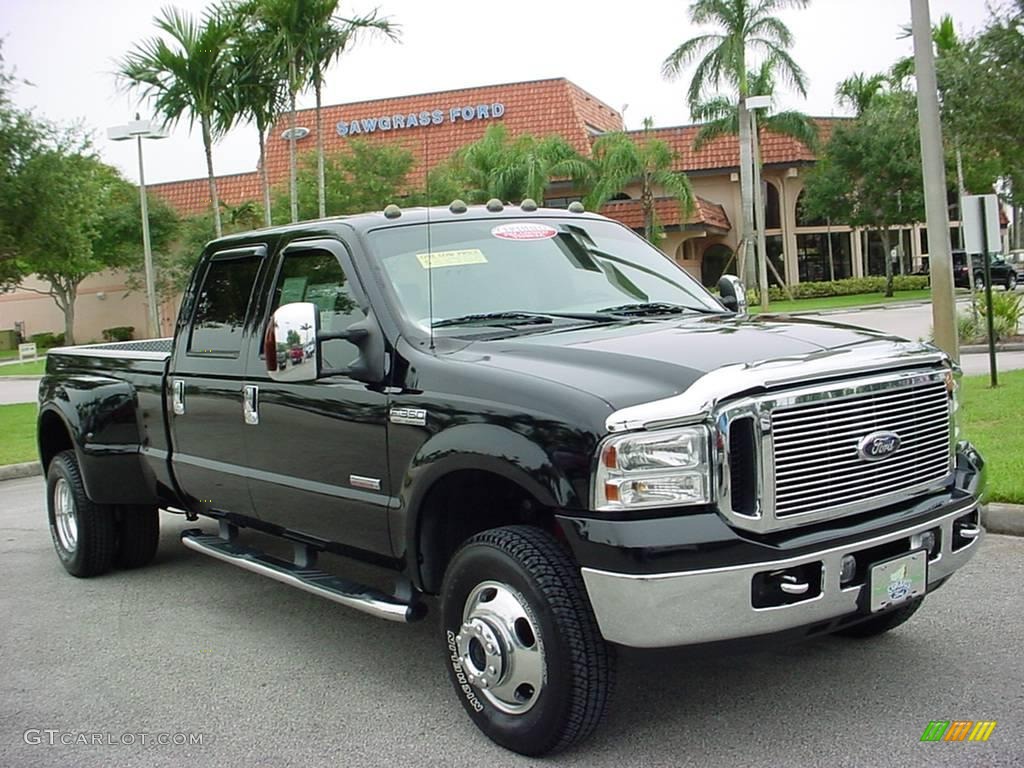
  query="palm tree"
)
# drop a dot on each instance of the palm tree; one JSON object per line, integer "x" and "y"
{"x": 618, "y": 160}
{"x": 747, "y": 28}
{"x": 257, "y": 91}
{"x": 187, "y": 77}
{"x": 858, "y": 90}
{"x": 720, "y": 116}
{"x": 494, "y": 167}
{"x": 944, "y": 37}
{"x": 329, "y": 37}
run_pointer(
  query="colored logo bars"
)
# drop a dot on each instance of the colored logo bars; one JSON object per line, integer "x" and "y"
{"x": 958, "y": 730}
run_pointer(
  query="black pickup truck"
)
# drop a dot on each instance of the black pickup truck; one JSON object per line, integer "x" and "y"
{"x": 536, "y": 423}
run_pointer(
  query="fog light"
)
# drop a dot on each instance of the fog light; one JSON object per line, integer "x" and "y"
{"x": 847, "y": 569}
{"x": 925, "y": 541}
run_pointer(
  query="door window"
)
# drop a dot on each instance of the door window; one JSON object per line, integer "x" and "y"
{"x": 221, "y": 305}
{"x": 317, "y": 276}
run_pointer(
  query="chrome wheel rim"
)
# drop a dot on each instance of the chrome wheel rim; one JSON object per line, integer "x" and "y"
{"x": 65, "y": 517}
{"x": 500, "y": 648}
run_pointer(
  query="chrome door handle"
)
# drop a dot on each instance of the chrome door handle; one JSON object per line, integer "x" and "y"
{"x": 178, "y": 397}
{"x": 250, "y": 404}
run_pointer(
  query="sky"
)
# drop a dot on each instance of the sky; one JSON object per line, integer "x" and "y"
{"x": 67, "y": 50}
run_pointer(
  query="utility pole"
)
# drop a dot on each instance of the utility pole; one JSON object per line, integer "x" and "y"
{"x": 753, "y": 103}
{"x": 940, "y": 261}
{"x": 747, "y": 198}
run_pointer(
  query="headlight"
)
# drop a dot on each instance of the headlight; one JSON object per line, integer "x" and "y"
{"x": 653, "y": 469}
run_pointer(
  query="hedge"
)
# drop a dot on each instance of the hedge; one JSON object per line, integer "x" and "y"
{"x": 848, "y": 287}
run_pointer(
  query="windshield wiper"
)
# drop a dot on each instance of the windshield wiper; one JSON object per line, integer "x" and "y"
{"x": 517, "y": 318}
{"x": 655, "y": 308}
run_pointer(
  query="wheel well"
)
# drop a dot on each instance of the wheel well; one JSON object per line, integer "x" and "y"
{"x": 461, "y": 505}
{"x": 53, "y": 437}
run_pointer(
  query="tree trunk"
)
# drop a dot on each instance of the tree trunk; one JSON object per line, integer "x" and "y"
{"x": 746, "y": 197}
{"x": 647, "y": 203}
{"x": 264, "y": 177}
{"x": 293, "y": 181}
{"x": 208, "y": 147}
{"x": 321, "y": 195}
{"x": 888, "y": 261}
{"x": 64, "y": 297}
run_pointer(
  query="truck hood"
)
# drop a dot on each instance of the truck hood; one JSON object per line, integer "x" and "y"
{"x": 646, "y": 360}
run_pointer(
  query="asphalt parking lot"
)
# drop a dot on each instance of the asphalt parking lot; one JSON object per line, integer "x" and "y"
{"x": 270, "y": 676}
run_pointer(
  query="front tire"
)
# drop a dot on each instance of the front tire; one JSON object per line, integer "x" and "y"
{"x": 879, "y": 625}
{"x": 83, "y": 532}
{"x": 524, "y": 651}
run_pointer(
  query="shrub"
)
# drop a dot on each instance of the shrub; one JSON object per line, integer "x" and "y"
{"x": 1007, "y": 310}
{"x": 47, "y": 339}
{"x": 849, "y": 286}
{"x": 119, "y": 333}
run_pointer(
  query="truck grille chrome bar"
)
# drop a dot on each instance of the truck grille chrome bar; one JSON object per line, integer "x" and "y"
{"x": 821, "y": 452}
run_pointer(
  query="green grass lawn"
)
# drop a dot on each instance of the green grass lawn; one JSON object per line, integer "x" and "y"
{"x": 842, "y": 302}
{"x": 18, "y": 427}
{"x": 991, "y": 420}
{"x": 988, "y": 418}
{"x": 8, "y": 354}
{"x": 31, "y": 368}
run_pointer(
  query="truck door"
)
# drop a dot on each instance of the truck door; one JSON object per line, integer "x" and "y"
{"x": 317, "y": 449}
{"x": 206, "y": 381}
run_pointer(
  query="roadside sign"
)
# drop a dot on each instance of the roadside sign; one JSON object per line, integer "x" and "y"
{"x": 981, "y": 223}
{"x": 26, "y": 351}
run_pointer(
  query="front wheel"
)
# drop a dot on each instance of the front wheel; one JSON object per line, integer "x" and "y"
{"x": 524, "y": 651}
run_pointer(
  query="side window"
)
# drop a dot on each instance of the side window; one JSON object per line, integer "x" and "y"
{"x": 318, "y": 277}
{"x": 221, "y": 304}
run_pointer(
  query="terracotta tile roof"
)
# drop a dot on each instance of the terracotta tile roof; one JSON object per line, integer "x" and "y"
{"x": 705, "y": 213}
{"x": 724, "y": 152}
{"x": 540, "y": 107}
{"x": 192, "y": 196}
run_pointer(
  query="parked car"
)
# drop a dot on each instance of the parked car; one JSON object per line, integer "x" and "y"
{"x": 1003, "y": 273}
{"x": 538, "y": 425}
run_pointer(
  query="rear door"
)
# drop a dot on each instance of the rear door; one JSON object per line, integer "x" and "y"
{"x": 317, "y": 450}
{"x": 206, "y": 381}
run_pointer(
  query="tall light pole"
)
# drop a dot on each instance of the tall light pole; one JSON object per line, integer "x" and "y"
{"x": 755, "y": 103}
{"x": 143, "y": 129}
{"x": 940, "y": 261}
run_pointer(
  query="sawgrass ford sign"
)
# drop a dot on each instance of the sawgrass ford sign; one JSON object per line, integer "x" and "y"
{"x": 426, "y": 118}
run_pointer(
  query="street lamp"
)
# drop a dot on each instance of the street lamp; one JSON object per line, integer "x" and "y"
{"x": 753, "y": 104}
{"x": 143, "y": 129}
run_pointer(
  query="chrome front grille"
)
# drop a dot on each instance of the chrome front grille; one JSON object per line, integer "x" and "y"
{"x": 807, "y": 445}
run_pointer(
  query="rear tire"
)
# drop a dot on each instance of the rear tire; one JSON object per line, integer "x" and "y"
{"x": 879, "y": 625}
{"x": 83, "y": 532}
{"x": 138, "y": 536}
{"x": 523, "y": 648}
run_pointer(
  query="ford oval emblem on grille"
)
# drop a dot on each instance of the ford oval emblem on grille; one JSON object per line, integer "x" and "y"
{"x": 878, "y": 445}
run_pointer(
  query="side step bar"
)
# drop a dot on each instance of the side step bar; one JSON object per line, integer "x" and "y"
{"x": 312, "y": 580}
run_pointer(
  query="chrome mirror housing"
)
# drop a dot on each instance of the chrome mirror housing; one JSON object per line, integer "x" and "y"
{"x": 733, "y": 293}
{"x": 290, "y": 344}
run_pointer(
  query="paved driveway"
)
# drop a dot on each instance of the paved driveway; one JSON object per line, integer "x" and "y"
{"x": 272, "y": 676}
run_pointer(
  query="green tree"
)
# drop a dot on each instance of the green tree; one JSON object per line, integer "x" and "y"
{"x": 366, "y": 177}
{"x": 76, "y": 216}
{"x": 859, "y": 90}
{"x": 869, "y": 173}
{"x": 746, "y": 29}
{"x": 619, "y": 160}
{"x": 185, "y": 72}
{"x": 511, "y": 170}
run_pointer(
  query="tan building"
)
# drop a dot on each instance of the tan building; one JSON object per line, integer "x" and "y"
{"x": 432, "y": 126}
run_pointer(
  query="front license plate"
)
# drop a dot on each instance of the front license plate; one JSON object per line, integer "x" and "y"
{"x": 898, "y": 580}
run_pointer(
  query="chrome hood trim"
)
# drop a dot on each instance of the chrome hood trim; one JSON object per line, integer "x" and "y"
{"x": 714, "y": 387}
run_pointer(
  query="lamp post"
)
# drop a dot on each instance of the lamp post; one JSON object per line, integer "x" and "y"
{"x": 143, "y": 129}
{"x": 755, "y": 103}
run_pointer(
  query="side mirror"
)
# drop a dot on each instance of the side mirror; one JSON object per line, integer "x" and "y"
{"x": 291, "y": 346}
{"x": 734, "y": 295}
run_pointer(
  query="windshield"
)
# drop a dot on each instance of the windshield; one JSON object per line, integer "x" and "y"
{"x": 548, "y": 266}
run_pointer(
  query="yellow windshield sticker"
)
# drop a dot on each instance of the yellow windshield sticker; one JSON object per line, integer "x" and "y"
{"x": 461, "y": 258}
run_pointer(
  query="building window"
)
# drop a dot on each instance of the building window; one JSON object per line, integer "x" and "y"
{"x": 772, "y": 209}
{"x": 716, "y": 259}
{"x": 773, "y": 244}
{"x": 802, "y": 220}
{"x": 899, "y": 239}
{"x": 817, "y": 262}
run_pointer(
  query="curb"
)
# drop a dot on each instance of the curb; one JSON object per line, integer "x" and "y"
{"x": 1006, "y": 519}
{"x": 970, "y": 349}
{"x": 37, "y": 378}
{"x": 15, "y": 471}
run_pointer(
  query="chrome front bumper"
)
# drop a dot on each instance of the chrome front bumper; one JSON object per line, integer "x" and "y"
{"x": 669, "y": 609}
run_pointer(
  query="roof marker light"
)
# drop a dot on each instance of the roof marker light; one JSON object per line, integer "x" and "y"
{"x": 528, "y": 205}
{"x": 576, "y": 207}
{"x": 457, "y": 206}
{"x": 494, "y": 205}
{"x": 392, "y": 212}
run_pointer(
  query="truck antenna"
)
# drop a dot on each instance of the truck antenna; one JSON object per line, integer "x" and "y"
{"x": 430, "y": 262}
